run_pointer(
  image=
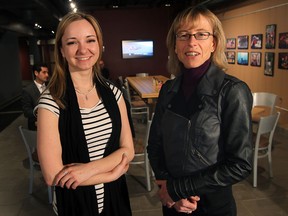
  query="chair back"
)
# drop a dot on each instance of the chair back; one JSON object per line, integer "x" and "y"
{"x": 148, "y": 131}
{"x": 120, "y": 78}
{"x": 267, "y": 125}
{"x": 30, "y": 140}
{"x": 142, "y": 74}
{"x": 126, "y": 91}
{"x": 265, "y": 99}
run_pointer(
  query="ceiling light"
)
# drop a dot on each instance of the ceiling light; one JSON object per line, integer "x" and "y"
{"x": 72, "y": 5}
{"x": 37, "y": 26}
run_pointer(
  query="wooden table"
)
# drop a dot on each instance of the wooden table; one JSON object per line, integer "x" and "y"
{"x": 145, "y": 88}
{"x": 258, "y": 112}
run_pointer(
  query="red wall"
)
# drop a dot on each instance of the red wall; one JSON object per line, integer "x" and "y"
{"x": 125, "y": 24}
{"x": 24, "y": 60}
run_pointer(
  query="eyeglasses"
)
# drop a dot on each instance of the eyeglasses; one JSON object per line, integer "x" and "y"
{"x": 184, "y": 36}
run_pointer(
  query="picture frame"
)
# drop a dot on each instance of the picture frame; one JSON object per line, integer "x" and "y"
{"x": 243, "y": 42}
{"x": 231, "y": 43}
{"x": 230, "y": 55}
{"x": 256, "y": 41}
{"x": 283, "y": 40}
{"x": 283, "y": 61}
{"x": 255, "y": 59}
{"x": 242, "y": 58}
{"x": 270, "y": 35}
{"x": 269, "y": 64}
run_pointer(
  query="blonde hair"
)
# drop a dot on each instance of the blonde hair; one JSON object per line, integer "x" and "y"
{"x": 192, "y": 15}
{"x": 57, "y": 83}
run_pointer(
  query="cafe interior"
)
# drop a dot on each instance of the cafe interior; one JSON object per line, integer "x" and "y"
{"x": 136, "y": 56}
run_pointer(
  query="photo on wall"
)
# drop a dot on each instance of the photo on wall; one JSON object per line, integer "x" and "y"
{"x": 230, "y": 55}
{"x": 255, "y": 59}
{"x": 270, "y": 36}
{"x": 269, "y": 64}
{"x": 283, "y": 40}
{"x": 256, "y": 41}
{"x": 231, "y": 43}
{"x": 243, "y": 42}
{"x": 242, "y": 58}
{"x": 283, "y": 61}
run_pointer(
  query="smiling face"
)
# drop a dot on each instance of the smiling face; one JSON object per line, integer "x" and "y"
{"x": 80, "y": 46}
{"x": 193, "y": 53}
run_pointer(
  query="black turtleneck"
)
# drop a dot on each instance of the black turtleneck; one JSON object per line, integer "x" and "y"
{"x": 192, "y": 77}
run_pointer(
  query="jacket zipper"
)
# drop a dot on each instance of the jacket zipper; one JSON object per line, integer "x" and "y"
{"x": 194, "y": 150}
{"x": 201, "y": 157}
{"x": 188, "y": 130}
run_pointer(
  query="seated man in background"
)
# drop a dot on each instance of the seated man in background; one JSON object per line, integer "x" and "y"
{"x": 31, "y": 93}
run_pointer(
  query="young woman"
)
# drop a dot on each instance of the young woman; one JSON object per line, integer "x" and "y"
{"x": 84, "y": 138}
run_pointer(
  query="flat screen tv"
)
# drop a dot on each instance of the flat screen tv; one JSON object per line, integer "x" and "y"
{"x": 137, "y": 49}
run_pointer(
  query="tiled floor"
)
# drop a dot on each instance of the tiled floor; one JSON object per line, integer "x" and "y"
{"x": 270, "y": 198}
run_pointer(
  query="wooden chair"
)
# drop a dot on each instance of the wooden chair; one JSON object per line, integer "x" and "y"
{"x": 30, "y": 140}
{"x": 142, "y": 158}
{"x": 263, "y": 142}
{"x": 137, "y": 106}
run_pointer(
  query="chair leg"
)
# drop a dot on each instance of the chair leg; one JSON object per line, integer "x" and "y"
{"x": 147, "y": 172}
{"x": 49, "y": 188}
{"x": 270, "y": 165}
{"x": 255, "y": 172}
{"x": 31, "y": 179}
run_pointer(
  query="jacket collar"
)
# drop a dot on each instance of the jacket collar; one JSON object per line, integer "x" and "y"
{"x": 210, "y": 84}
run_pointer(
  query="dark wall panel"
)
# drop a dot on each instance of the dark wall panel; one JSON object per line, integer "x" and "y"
{"x": 10, "y": 74}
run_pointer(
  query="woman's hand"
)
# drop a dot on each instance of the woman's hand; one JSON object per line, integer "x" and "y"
{"x": 163, "y": 194}
{"x": 184, "y": 205}
{"x": 187, "y": 205}
{"x": 72, "y": 175}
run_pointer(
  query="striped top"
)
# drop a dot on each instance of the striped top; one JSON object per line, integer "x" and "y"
{"x": 97, "y": 128}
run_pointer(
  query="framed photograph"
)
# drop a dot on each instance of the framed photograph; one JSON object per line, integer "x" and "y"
{"x": 242, "y": 58}
{"x": 270, "y": 36}
{"x": 255, "y": 59}
{"x": 269, "y": 64}
{"x": 231, "y": 43}
{"x": 243, "y": 42}
{"x": 256, "y": 41}
{"x": 230, "y": 55}
{"x": 283, "y": 40}
{"x": 283, "y": 61}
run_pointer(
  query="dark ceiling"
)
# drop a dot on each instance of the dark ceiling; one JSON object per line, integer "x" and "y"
{"x": 21, "y": 15}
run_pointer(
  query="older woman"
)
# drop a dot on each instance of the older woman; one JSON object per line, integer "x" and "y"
{"x": 200, "y": 141}
{"x": 84, "y": 137}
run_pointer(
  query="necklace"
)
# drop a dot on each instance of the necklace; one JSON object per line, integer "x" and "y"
{"x": 85, "y": 94}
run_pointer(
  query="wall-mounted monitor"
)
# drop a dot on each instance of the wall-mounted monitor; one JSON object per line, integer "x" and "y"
{"x": 137, "y": 49}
